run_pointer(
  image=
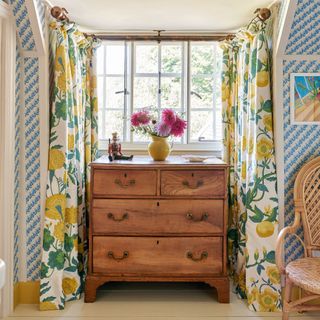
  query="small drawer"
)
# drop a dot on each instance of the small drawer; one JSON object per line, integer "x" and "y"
{"x": 124, "y": 182}
{"x": 193, "y": 183}
{"x": 152, "y": 255}
{"x": 138, "y": 217}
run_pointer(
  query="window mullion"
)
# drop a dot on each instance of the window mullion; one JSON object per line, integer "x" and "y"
{"x": 132, "y": 72}
{"x": 214, "y": 96}
{"x": 159, "y": 80}
{"x": 104, "y": 102}
{"x": 125, "y": 106}
{"x": 188, "y": 85}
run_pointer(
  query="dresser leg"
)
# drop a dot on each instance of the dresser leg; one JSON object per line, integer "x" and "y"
{"x": 91, "y": 286}
{"x": 222, "y": 287}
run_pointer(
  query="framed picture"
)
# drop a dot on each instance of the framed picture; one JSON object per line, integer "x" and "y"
{"x": 305, "y": 98}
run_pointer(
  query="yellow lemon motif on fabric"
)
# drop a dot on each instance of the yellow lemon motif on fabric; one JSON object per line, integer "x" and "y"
{"x": 59, "y": 231}
{"x": 224, "y": 92}
{"x": 52, "y": 205}
{"x": 262, "y": 78}
{"x": 47, "y": 305}
{"x": 71, "y": 215}
{"x": 267, "y": 121}
{"x": 267, "y": 300}
{"x": 60, "y": 59}
{"x": 265, "y": 229}
{"x": 70, "y": 141}
{"x": 69, "y": 285}
{"x": 264, "y": 149}
{"x": 88, "y": 152}
{"x": 244, "y": 170}
{"x": 62, "y": 82}
{"x": 252, "y": 296}
{"x": 273, "y": 274}
{"x": 251, "y": 146}
{"x": 56, "y": 159}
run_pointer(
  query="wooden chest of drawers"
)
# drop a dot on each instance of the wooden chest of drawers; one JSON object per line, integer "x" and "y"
{"x": 158, "y": 221}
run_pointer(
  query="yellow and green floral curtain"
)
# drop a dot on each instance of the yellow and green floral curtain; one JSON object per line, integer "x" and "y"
{"x": 72, "y": 146}
{"x": 249, "y": 149}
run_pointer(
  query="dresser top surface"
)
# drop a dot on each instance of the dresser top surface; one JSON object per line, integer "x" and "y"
{"x": 172, "y": 161}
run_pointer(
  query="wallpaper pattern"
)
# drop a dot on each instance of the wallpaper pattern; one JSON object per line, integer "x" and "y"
{"x": 27, "y": 144}
{"x": 301, "y": 142}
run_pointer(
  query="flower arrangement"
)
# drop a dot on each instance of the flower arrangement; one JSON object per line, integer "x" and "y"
{"x": 170, "y": 124}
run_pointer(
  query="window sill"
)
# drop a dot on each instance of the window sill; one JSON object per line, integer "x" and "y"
{"x": 210, "y": 149}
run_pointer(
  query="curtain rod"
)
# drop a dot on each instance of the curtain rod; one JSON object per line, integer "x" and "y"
{"x": 61, "y": 14}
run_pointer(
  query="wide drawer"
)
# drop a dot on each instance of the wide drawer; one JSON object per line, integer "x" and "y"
{"x": 124, "y": 182}
{"x": 150, "y": 255}
{"x": 193, "y": 183}
{"x": 136, "y": 217}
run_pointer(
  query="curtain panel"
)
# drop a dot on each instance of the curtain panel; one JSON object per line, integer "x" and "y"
{"x": 249, "y": 149}
{"x": 72, "y": 146}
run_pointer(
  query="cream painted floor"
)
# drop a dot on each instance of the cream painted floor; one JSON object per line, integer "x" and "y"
{"x": 153, "y": 302}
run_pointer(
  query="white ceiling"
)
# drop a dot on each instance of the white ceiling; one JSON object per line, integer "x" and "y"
{"x": 172, "y": 15}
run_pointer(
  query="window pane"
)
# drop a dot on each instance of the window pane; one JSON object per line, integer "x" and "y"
{"x": 171, "y": 56}
{"x": 141, "y": 138}
{"x": 201, "y": 125}
{"x": 202, "y": 58}
{"x": 100, "y": 57}
{"x": 201, "y": 92}
{"x": 115, "y": 59}
{"x": 145, "y": 92}
{"x": 114, "y": 123}
{"x": 170, "y": 92}
{"x": 218, "y": 128}
{"x": 114, "y": 85}
{"x": 100, "y": 91}
{"x": 100, "y": 124}
{"x": 146, "y": 58}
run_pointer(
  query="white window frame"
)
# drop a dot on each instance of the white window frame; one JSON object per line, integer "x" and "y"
{"x": 211, "y": 146}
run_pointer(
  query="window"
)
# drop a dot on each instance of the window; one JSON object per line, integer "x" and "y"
{"x": 180, "y": 75}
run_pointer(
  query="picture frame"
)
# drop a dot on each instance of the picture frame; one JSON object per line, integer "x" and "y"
{"x": 305, "y": 98}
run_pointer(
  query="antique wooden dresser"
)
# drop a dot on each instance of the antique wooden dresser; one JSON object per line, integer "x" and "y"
{"x": 158, "y": 221}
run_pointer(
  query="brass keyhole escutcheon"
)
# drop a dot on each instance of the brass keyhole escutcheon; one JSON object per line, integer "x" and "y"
{"x": 125, "y": 175}
{"x": 158, "y": 241}
{"x": 192, "y": 174}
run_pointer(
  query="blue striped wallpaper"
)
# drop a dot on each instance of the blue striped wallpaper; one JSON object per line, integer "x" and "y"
{"x": 301, "y": 144}
{"x": 304, "y": 37}
{"x": 27, "y": 105}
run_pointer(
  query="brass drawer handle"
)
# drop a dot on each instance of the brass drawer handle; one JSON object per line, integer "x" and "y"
{"x": 124, "y": 256}
{"x": 204, "y": 217}
{"x": 130, "y": 183}
{"x": 112, "y": 217}
{"x": 187, "y": 184}
{"x": 204, "y": 255}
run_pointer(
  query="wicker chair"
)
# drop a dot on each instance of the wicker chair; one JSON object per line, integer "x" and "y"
{"x": 305, "y": 272}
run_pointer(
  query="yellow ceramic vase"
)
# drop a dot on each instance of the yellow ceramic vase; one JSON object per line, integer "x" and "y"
{"x": 159, "y": 148}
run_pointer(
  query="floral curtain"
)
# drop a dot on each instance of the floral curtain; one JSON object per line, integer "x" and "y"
{"x": 249, "y": 149}
{"x": 72, "y": 146}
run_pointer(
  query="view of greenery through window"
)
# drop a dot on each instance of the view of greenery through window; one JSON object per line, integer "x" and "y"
{"x": 180, "y": 75}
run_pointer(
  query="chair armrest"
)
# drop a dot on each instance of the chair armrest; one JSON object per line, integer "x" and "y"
{"x": 281, "y": 238}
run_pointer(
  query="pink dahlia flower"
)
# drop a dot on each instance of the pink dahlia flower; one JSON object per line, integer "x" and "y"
{"x": 140, "y": 118}
{"x": 168, "y": 117}
{"x": 163, "y": 129}
{"x": 178, "y": 127}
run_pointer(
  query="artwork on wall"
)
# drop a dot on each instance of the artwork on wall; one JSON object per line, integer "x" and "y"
{"x": 305, "y": 98}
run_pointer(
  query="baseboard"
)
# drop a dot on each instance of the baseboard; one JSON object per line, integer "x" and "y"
{"x": 26, "y": 292}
